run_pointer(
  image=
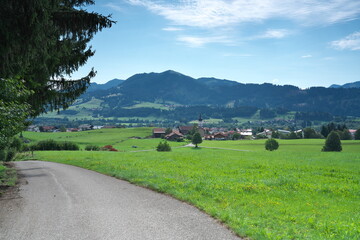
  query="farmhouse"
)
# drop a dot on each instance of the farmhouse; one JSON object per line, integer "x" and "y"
{"x": 185, "y": 129}
{"x": 174, "y": 136}
{"x": 158, "y": 132}
{"x": 220, "y": 136}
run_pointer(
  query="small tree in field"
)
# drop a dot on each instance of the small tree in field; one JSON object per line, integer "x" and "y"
{"x": 163, "y": 147}
{"x": 332, "y": 143}
{"x": 271, "y": 144}
{"x": 196, "y": 139}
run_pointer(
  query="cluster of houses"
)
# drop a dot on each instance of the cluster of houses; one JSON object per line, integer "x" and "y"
{"x": 181, "y": 132}
{"x": 82, "y": 127}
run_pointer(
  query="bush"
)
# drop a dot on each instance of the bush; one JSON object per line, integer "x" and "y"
{"x": 163, "y": 147}
{"x": 345, "y": 135}
{"x": 357, "y": 134}
{"x": 92, "y": 148}
{"x": 109, "y": 148}
{"x": 16, "y": 143}
{"x": 10, "y": 154}
{"x": 2, "y": 155}
{"x": 46, "y": 145}
{"x": 271, "y": 144}
{"x": 332, "y": 143}
{"x": 51, "y": 145}
{"x": 69, "y": 146}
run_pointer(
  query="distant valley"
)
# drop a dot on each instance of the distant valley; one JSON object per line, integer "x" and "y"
{"x": 173, "y": 96}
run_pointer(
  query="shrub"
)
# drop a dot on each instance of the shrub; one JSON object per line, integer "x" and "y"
{"x": 163, "y": 147}
{"x": 10, "y": 154}
{"x": 357, "y": 134}
{"x": 16, "y": 143}
{"x": 51, "y": 145}
{"x": 345, "y": 135}
{"x": 69, "y": 146}
{"x": 271, "y": 144}
{"x": 46, "y": 145}
{"x": 2, "y": 155}
{"x": 109, "y": 148}
{"x": 332, "y": 143}
{"x": 92, "y": 148}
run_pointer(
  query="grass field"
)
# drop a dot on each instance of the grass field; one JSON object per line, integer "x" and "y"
{"x": 296, "y": 192}
{"x": 122, "y": 139}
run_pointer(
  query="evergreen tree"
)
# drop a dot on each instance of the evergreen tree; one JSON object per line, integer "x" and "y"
{"x": 332, "y": 143}
{"x": 324, "y": 131}
{"x": 346, "y": 135}
{"x": 196, "y": 139}
{"x": 357, "y": 134}
{"x": 42, "y": 42}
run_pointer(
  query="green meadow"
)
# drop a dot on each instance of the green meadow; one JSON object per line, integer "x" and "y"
{"x": 123, "y": 139}
{"x": 296, "y": 192}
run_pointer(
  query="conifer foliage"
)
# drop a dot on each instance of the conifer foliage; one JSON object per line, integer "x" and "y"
{"x": 332, "y": 143}
{"x": 42, "y": 43}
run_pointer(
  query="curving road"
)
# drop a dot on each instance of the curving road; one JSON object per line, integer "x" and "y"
{"x": 65, "y": 202}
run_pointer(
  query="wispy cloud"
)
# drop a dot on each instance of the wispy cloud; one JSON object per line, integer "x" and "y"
{"x": 221, "y": 13}
{"x": 114, "y": 7}
{"x": 196, "y": 42}
{"x": 274, "y": 33}
{"x": 307, "y": 56}
{"x": 350, "y": 42}
{"x": 172, "y": 29}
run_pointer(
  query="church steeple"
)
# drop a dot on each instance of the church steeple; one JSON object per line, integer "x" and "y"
{"x": 200, "y": 121}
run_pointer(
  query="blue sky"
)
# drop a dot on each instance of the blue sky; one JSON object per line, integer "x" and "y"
{"x": 303, "y": 43}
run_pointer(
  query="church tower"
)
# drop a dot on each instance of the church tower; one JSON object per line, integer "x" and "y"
{"x": 200, "y": 121}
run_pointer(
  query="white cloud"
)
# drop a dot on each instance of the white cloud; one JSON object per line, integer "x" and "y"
{"x": 351, "y": 42}
{"x": 196, "y": 42}
{"x": 172, "y": 29}
{"x": 222, "y": 13}
{"x": 307, "y": 56}
{"x": 114, "y": 7}
{"x": 275, "y": 33}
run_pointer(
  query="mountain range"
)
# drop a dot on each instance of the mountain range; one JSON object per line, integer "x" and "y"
{"x": 347, "y": 85}
{"x": 173, "y": 88}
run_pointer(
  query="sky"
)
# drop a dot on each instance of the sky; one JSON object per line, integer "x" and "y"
{"x": 285, "y": 42}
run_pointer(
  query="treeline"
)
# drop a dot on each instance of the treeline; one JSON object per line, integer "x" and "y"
{"x": 184, "y": 113}
{"x": 314, "y": 116}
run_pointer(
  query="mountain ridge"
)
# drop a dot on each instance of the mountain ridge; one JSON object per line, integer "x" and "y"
{"x": 174, "y": 87}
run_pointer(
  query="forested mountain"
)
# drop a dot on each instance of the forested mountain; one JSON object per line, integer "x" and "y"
{"x": 347, "y": 85}
{"x": 110, "y": 84}
{"x": 174, "y": 88}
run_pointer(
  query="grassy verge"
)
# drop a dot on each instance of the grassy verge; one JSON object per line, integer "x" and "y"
{"x": 296, "y": 192}
{"x": 8, "y": 177}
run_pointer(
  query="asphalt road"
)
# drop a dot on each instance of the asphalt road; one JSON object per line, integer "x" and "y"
{"x": 58, "y": 201}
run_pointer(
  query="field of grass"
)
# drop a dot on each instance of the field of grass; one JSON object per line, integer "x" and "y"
{"x": 296, "y": 192}
{"x": 123, "y": 139}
